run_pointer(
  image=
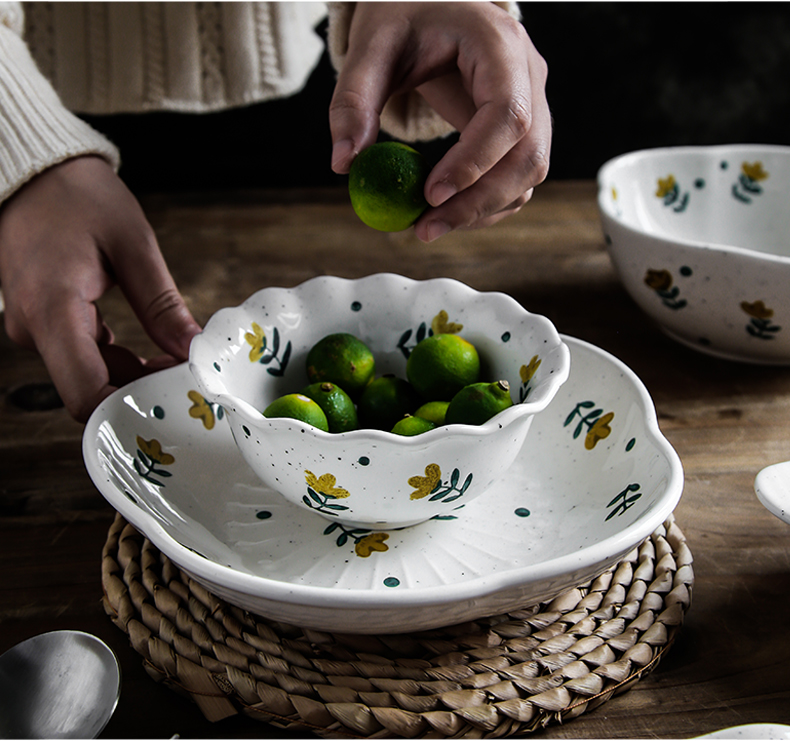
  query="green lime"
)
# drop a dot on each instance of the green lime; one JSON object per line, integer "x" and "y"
{"x": 341, "y": 414}
{"x": 477, "y": 403}
{"x": 441, "y": 365}
{"x": 433, "y": 411}
{"x": 386, "y": 184}
{"x": 386, "y": 400}
{"x": 298, "y": 406}
{"x": 412, "y": 425}
{"x": 341, "y": 359}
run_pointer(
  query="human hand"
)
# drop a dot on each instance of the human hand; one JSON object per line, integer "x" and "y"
{"x": 66, "y": 237}
{"x": 477, "y": 68}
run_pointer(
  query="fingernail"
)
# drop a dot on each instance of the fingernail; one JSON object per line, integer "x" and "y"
{"x": 342, "y": 153}
{"x": 436, "y": 229}
{"x": 442, "y": 192}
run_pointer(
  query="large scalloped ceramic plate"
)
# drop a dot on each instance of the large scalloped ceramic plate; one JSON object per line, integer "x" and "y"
{"x": 594, "y": 479}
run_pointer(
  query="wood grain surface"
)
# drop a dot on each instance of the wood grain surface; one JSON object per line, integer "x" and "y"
{"x": 731, "y": 663}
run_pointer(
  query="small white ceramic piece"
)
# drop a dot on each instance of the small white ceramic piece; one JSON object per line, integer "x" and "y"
{"x": 754, "y": 732}
{"x": 772, "y": 486}
{"x": 700, "y": 239}
{"x": 249, "y": 355}
{"x": 594, "y": 478}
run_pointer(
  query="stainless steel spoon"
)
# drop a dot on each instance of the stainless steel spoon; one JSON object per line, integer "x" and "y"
{"x": 63, "y": 684}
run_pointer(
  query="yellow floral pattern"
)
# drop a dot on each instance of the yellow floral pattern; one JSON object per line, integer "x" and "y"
{"x": 153, "y": 449}
{"x": 669, "y": 190}
{"x": 371, "y": 543}
{"x": 661, "y": 282}
{"x": 754, "y": 171}
{"x": 747, "y": 185}
{"x": 150, "y": 458}
{"x": 201, "y": 409}
{"x": 442, "y": 325}
{"x": 600, "y": 430}
{"x": 666, "y": 186}
{"x": 658, "y": 280}
{"x": 424, "y": 485}
{"x": 597, "y": 423}
{"x": 323, "y": 493}
{"x": 257, "y": 340}
{"x": 757, "y": 309}
{"x": 527, "y": 371}
{"x": 325, "y": 484}
{"x": 431, "y": 484}
{"x": 760, "y": 324}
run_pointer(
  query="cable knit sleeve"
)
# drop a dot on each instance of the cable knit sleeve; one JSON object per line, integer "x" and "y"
{"x": 36, "y": 130}
{"x": 407, "y": 117}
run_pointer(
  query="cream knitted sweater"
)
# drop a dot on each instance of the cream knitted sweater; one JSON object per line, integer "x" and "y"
{"x": 57, "y": 59}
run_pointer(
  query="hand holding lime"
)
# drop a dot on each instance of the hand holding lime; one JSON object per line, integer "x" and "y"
{"x": 386, "y": 184}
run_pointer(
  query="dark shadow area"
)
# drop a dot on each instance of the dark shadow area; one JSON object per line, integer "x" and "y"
{"x": 622, "y": 76}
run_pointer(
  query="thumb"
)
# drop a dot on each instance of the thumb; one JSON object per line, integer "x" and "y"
{"x": 363, "y": 87}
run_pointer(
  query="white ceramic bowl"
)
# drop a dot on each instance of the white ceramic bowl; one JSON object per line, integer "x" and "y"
{"x": 249, "y": 355}
{"x": 772, "y": 486}
{"x": 593, "y": 479}
{"x": 700, "y": 237}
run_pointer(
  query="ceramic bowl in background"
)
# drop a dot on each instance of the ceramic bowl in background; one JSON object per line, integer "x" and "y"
{"x": 251, "y": 354}
{"x": 700, "y": 237}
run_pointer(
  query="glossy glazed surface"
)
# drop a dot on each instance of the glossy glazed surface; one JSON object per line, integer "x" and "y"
{"x": 594, "y": 479}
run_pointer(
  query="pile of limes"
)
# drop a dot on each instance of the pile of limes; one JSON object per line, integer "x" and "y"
{"x": 442, "y": 386}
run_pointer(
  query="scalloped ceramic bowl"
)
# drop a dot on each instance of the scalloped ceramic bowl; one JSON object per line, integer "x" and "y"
{"x": 700, "y": 237}
{"x": 249, "y": 355}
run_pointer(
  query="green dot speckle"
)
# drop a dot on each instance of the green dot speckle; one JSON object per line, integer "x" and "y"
{"x": 392, "y": 581}
{"x": 158, "y": 412}
{"x": 523, "y": 512}
{"x": 264, "y": 514}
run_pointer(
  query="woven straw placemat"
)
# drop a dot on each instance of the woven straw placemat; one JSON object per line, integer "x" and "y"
{"x": 497, "y": 676}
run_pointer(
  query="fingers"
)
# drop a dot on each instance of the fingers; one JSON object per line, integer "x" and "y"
{"x": 477, "y": 68}
{"x": 360, "y": 93}
{"x": 143, "y": 276}
{"x": 68, "y": 344}
{"x": 502, "y": 191}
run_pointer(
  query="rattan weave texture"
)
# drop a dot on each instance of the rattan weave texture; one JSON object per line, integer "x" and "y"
{"x": 504, "y": 675}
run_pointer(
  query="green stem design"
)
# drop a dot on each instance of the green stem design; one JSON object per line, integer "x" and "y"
{"x": 322, "y": 502}
{"x": 146, "y": 466}
{"x": 762, "y": 329}
{"x": 586, "y": 419}
{"x": 624, "y": 501}
{"x": 355, "y": 533}
{"x": 272, "y": 355}
{"x": 443, "y": 488}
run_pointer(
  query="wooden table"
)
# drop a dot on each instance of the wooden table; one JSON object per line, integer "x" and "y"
{"x": 731, "y": 663}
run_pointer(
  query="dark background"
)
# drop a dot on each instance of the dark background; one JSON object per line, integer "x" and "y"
{"x": 622, "y": 76}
